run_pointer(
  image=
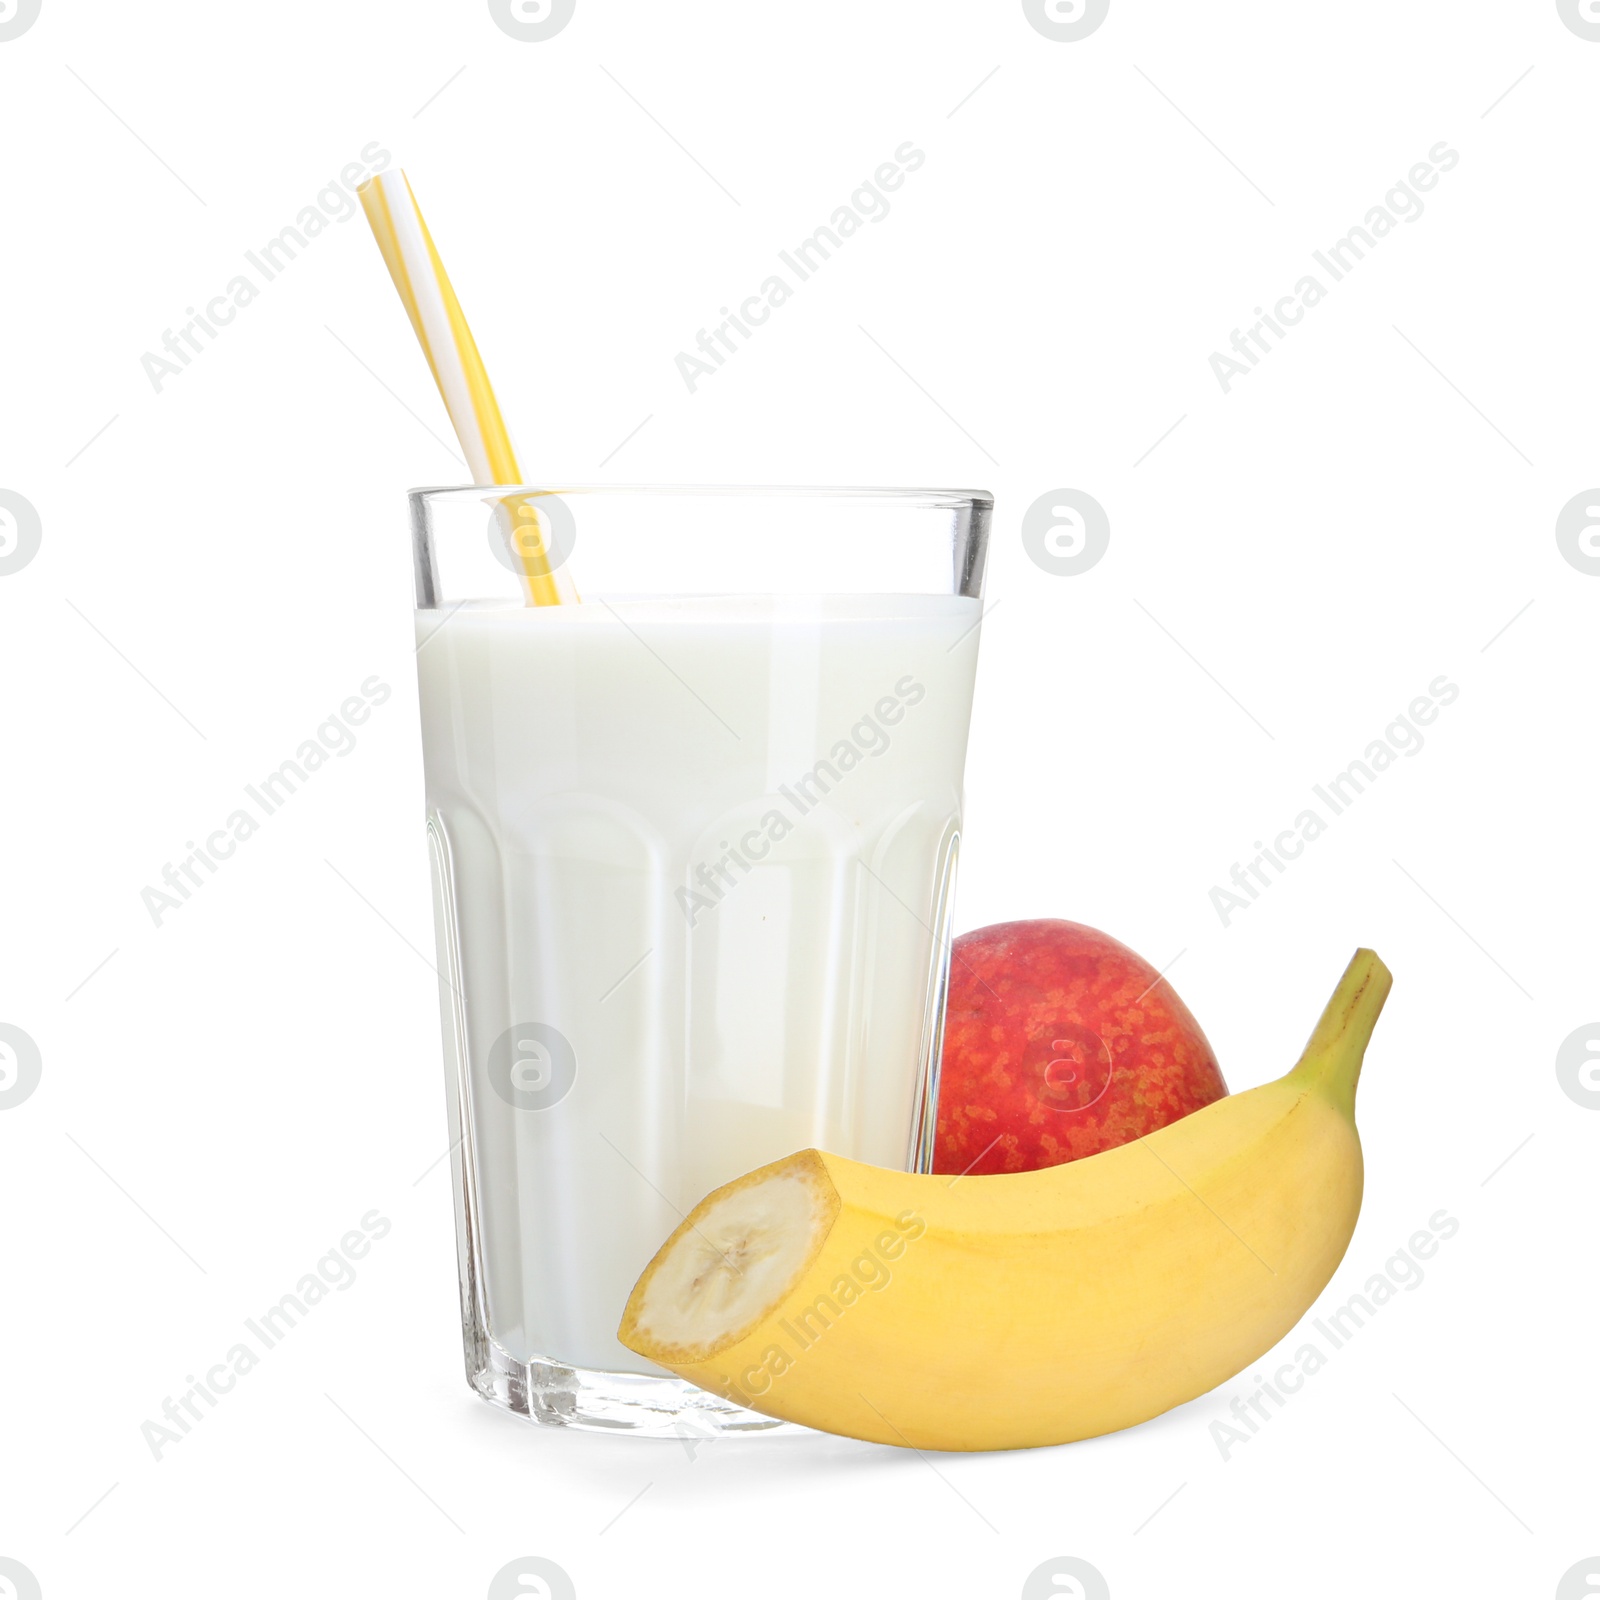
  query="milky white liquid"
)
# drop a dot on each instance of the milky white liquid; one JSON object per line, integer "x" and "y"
{"x": 582, "y": 761}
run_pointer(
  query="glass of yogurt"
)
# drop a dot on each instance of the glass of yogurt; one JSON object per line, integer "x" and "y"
{"x": 694, "y": 844}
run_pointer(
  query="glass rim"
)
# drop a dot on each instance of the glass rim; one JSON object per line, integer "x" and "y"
{"x": 930, "y": 499}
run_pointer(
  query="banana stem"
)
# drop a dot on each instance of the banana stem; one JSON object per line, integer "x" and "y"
{"x": 1331, "y": 1060}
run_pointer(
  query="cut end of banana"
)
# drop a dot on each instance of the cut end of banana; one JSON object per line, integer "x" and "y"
{"x": 730, "y": 1262}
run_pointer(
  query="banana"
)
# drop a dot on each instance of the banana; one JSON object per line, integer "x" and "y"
{"x": 993, "y": 1313}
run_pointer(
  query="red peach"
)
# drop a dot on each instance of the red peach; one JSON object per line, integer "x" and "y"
{"x": 1060, "y": 1042}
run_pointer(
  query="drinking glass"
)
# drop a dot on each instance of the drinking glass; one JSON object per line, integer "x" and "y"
{"x": 694, "y": 843}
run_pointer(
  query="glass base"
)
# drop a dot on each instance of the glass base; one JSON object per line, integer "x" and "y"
{"x": 558, "y": 1396}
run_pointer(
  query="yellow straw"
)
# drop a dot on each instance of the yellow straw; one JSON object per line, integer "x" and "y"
{"x": 458, "y": 370}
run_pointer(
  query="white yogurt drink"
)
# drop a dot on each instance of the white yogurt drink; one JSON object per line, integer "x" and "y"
{"x": 694, "y": 838}
{"x": 693, "y": 861}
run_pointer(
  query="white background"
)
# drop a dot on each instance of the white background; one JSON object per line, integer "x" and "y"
{"x": 1375, "y": 505}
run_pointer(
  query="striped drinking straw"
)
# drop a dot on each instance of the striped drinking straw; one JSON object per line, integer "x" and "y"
{"x": 458, "y": 370}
